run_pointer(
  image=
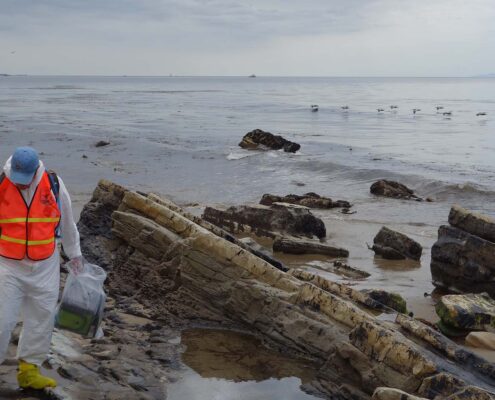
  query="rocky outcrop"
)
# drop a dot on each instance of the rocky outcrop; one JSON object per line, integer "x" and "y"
{"x": 311, "y": 200}
{"x": 470, "y": 311}
{"x": 298, "y": 246}
{"x": 463, "y": 257}
{"x": 184, "y": 271}
{"x": 260, "y": 139}
{"x": 279, "y": 218}
{"x": 393, "y": 189}
{"x": 395, "y": 245}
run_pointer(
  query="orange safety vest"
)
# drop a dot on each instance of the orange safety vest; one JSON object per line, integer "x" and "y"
{"x": 28, "y": 230}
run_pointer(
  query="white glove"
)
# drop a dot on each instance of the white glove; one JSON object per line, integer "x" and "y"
{"x": 76, "y": 265}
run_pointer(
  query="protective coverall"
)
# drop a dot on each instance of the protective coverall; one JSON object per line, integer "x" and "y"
{"x": 29, "y": 289}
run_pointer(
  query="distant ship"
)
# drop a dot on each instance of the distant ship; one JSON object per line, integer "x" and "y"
{"x": 252, "y": 76}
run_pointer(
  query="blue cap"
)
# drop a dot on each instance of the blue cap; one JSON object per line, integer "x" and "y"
{"x": 24, "y": 163}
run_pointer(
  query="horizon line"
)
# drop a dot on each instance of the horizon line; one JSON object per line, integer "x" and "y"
{"x": 489, "y": 75}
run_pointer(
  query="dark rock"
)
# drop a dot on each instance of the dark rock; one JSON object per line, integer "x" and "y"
{"x": 311, "y": 200}
{"x": 257, "y": 138}
{"x": 263, "y": 253}
{"x": 395, "y": 245}
{"x": 298, "y": 246}
{"x": 393, "y": 189}
{"x": 95, "y": 223}
{"x": 102, "y": 143}
{"x": 267, "y": 221}
{"x": 462, "y": 262}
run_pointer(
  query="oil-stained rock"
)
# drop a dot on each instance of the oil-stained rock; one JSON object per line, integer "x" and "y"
{"x": 470, "y": 311}
{"x": 311, "y": 200}
{"x": 298, "y": 246}
{"x": 463, "y": 259}
{"x": 395, "y": 245}
{"x": 260, "y": 139}
{"x": 393, "y": 189}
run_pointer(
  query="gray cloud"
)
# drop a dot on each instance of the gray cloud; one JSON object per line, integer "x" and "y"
{"x": 344, "y": 36}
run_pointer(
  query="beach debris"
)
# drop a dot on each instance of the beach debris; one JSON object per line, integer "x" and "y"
{"x": 314, "y": 107}
{"x": 311, "y": 200}
{"x": 480, "y": 114}
{"x": 259, "y": 139}
{"x": 462, "y": 258}
{"x": 102, "y": 143}
{"x": 300, "y": 246}
{"x": 467, "y": 311}
{"x": 268, "y": 221}
{"x": 393, "y": 189}
{"x": 394, "y": 245}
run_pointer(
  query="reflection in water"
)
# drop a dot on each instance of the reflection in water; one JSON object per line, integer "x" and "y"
{"x": 227, "y": 365}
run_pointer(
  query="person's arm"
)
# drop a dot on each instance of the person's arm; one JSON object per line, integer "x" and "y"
{"x": 68, "y": 228}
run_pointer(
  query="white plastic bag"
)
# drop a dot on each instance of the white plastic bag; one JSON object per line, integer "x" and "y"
{"x": 83, "y": 300}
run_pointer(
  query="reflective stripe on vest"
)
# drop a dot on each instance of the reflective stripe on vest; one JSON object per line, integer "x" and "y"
{"x": 28, "y": 231}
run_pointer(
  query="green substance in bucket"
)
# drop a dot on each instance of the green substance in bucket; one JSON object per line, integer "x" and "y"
{"x": 75, "y": 319}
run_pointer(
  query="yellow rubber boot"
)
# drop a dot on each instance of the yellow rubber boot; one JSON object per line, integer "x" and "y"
{"x": 29, "y": 377}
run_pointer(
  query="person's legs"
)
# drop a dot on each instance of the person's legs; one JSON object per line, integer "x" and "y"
{"x": 38, "y": 319}
{"x": 11, "y": 297}
{"x": 38, "y": 312}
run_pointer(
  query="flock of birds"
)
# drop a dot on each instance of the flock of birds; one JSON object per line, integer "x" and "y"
{"x": 315, "y": 108}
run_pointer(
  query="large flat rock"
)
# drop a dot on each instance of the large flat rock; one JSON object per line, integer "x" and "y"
{"x": 269, "y": 221}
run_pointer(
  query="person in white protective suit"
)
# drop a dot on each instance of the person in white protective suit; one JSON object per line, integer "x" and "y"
{"x": 33, "y": 218}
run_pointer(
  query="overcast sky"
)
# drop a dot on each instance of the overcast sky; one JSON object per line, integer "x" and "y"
{"x": 265, "y": 37}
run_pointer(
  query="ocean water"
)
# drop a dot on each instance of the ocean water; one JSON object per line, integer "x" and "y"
{"x": 179, "y": 136}
{"x": 153, "y": 120}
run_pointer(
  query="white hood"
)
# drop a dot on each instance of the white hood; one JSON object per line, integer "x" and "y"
{"x": 27, "y": 193}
